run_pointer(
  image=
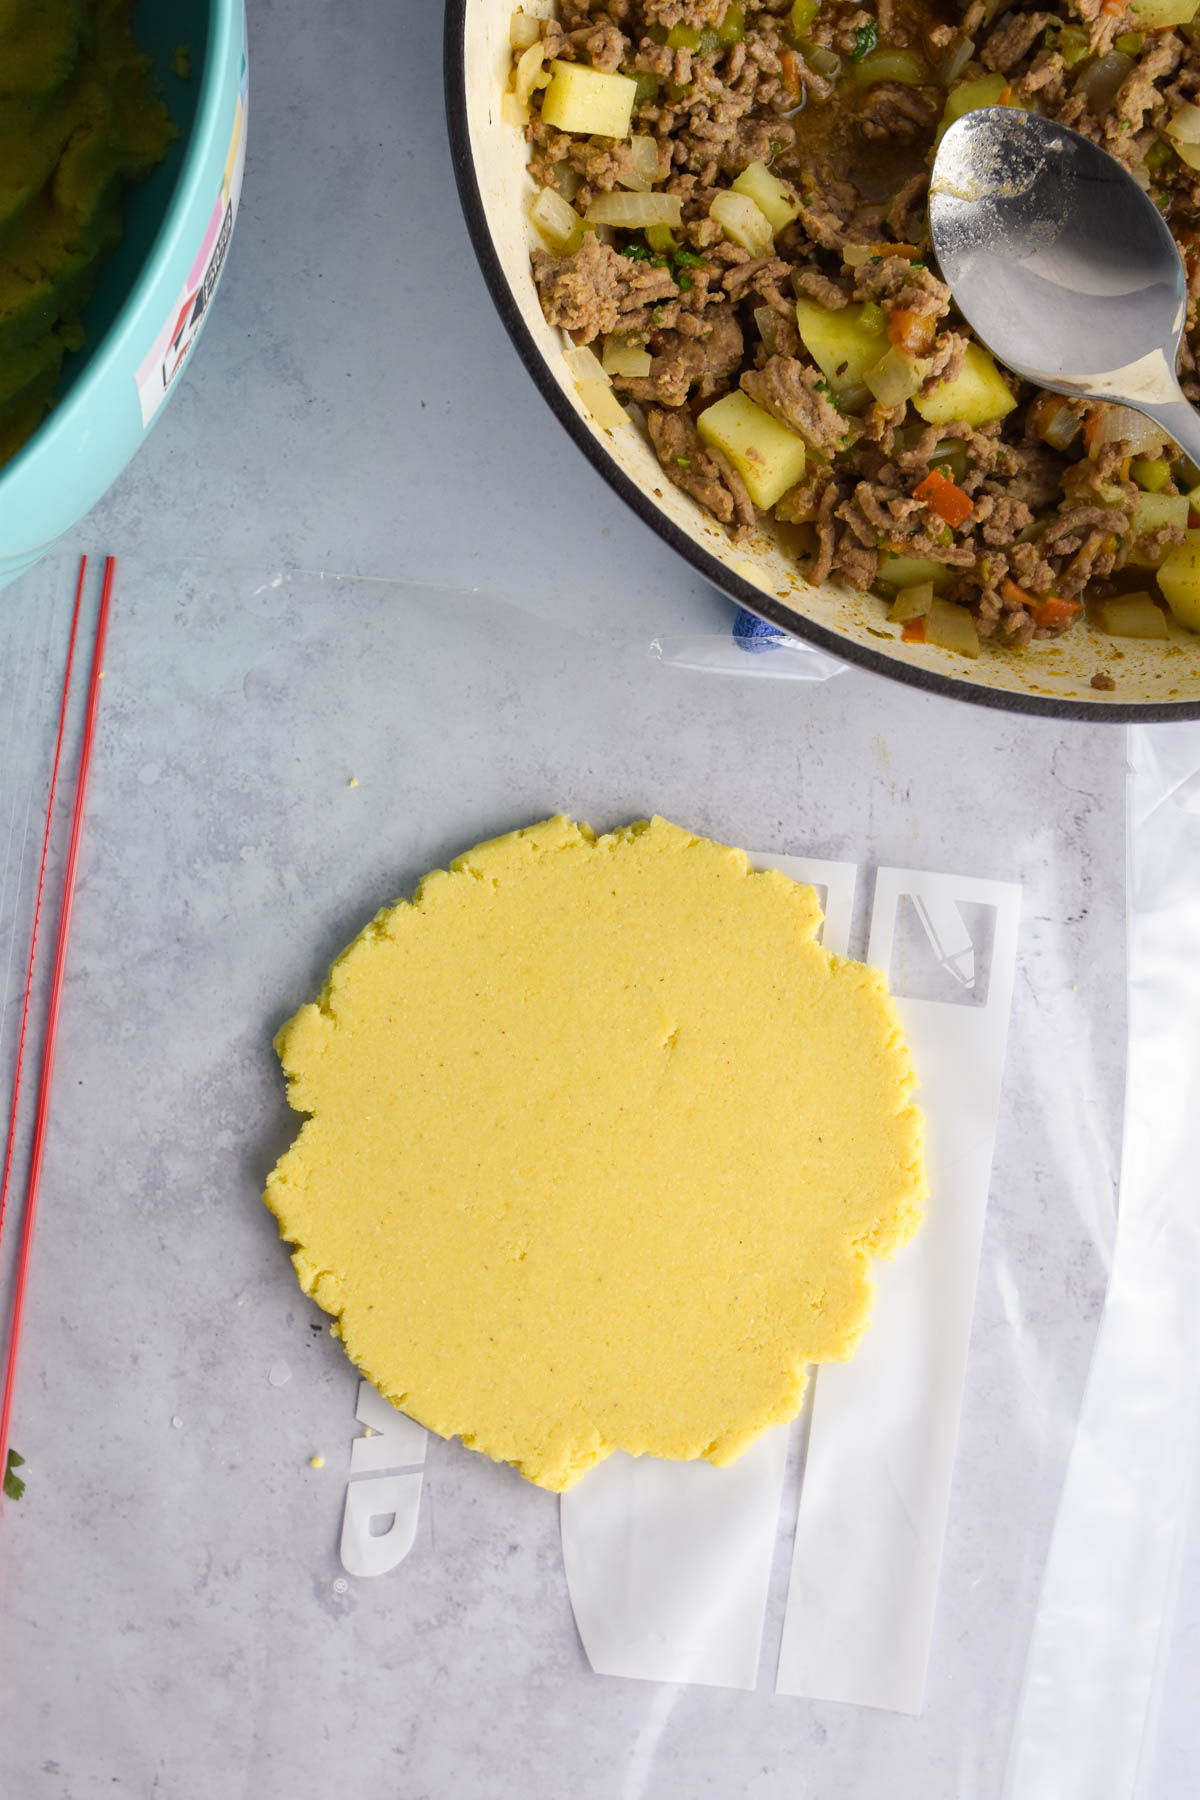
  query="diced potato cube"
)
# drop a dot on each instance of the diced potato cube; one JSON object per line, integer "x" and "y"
{"x": 1179, "y": 579}
{"x": 1151, "y": 513}
{"x": 910, "y": 571}
{"x": 912, "y": 602}
{"x": 743, "y": 222}
{"x": 621, "y": 357}
{"x": 603, "y": 404}
{"x": 1157, "y": 15}
{"x": 773, "y": 197}
{"x": 1132, "y": 616}
{"x": 985, "y": 90}
{"x": 951, "y": 627}
{"x": 588, "y": 100}
{"x": 843, "y": 347}
{"x": 978, "y": 394}
{"x": 768, "y": 457}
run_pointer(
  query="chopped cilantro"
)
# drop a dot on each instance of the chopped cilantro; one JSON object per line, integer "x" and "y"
{"x": 822, "y": 387}
{"x": 656, "y": 315}
{"x": 636, "y": 253}
{"x": 865, "y": 40}
{"x": 685, "y": 462}
{"x": 684, "y": 283}
{"x": 1124, "y": 125}
{"x": 687, "y": 259}
{"x": 14, "y": 1487}
{"x": 917, "y": 265}
{"x": 876, "y": 259}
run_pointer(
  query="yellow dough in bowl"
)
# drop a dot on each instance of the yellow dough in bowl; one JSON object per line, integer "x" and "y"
{"x": 601, "y": 1143}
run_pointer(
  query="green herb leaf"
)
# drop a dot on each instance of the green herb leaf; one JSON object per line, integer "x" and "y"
{"x": 865, "y": 40}
{"x": 14, "y": 1487}
{"x": 685, "y": 462}
{"x": 656, "y": 315}
{"x": 684, "y": 283}
{"x": 687, "y": 259}
{"x": 636, "y": 253}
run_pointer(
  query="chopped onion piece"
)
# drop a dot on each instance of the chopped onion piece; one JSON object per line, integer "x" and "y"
{"x": 895, "y": 378}
{"x": 1056, "y": 423}
{"x": 1120, "y": 424}
{"x": 567, "y": 179}
{"x": 530, "y": 72}
{"x": 825, "y": 62}
{"x": 912, "y": 602}
{"x": 523, "y": 30}
{"x": 635, "y": 211}
{"x": 603, "y": 404}
{"x": 743, "y": 222}
{"x": 558, "y": 223}
{"x": 585, "y": 365}
{"x": 622, "y": 357}
{"x": 767, "y": 322}
{"x": 855, "y": 255}
{"x": 955, "y": 61}
{"x": 1099, "y": 84}
{"x": 951, "y": 627}
{"x": 1184, "y": 124}
{"x": 645, "y": 157}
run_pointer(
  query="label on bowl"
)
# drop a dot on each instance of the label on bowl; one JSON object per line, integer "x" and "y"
{"x": 183, "y": 326}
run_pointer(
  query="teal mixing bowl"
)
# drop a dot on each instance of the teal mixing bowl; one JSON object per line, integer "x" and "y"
{"x": 153, "y": 295}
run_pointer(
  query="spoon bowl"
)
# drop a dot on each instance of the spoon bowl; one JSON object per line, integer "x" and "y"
{"x": 1061, "y": 263}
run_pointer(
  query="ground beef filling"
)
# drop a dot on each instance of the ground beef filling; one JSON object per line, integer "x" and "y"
{"x": 1022, "y": 514}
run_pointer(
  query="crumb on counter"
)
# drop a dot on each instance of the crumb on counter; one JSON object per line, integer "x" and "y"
{"x": 1104, "y": 682}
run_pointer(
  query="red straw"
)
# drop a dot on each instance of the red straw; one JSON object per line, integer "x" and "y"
{"x": 46, "y": 1079}
{"x": 37, "y": 909}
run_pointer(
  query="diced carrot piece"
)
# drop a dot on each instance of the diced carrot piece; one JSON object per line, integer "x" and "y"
{"x": 913, "y": 632}
{"x": 945, "y": 498}
{"x": 912, "y": 332}
{"x": 1053, "y": 611}
{"x": 1016, "y": 596}
{"x": 789, "y": 62}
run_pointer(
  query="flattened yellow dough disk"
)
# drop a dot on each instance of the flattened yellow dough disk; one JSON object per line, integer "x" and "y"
{"x": 600, "y": 1145}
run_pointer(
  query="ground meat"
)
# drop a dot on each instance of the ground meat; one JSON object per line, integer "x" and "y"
{"x": 683, "y": 365}
{"x": 1013, "y": 39}
{"x": 857, "y": 155}
{"x": 797, "y": 395}
{"x": 593, "y": 291}
{"x": 696, "y": 13}
{"x": 819, "y": 287}
{"x": 703, "y": 473}
{"x": 605, "y": 46}
{"x": 1104, "y": 682}
{"x": 902, "y": 285}
{"x": 898, "y": 113}
{"x": 946, "y": 361}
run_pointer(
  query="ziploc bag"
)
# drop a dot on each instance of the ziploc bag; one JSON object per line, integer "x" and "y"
{"x": 277, "y": 758}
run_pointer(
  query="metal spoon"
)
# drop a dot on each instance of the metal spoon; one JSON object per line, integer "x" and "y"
{"x": 1062, "y": 265}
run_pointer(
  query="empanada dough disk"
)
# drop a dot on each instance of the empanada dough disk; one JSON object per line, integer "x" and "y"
{"x": 601, "y": 1142}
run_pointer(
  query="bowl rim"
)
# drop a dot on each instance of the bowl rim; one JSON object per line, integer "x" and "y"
{"x": 733, "y": 586}
{"x": 225, "y": 22}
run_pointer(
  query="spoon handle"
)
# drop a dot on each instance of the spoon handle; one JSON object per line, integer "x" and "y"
{"x": 1178, "y": 418}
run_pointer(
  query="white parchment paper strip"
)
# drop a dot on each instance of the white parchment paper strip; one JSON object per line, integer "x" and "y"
{"x": 877, "y": 1479}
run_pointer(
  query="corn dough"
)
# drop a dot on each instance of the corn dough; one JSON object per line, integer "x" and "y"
{"x": 601, "y": 1142}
